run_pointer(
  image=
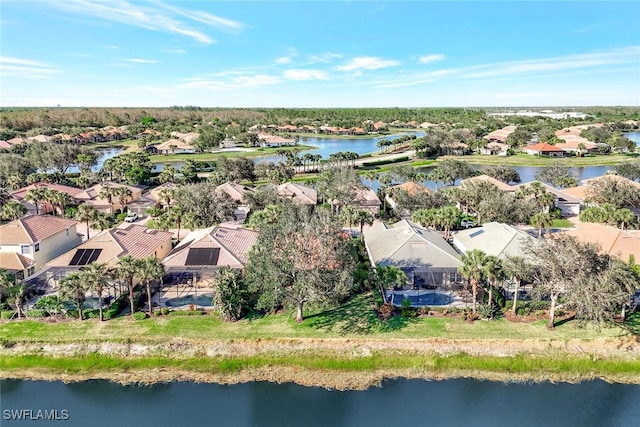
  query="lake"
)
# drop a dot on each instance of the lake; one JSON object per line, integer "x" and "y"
{"x": 448, "y": 403}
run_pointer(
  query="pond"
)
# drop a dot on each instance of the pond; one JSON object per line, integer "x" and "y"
{"x": 456, "y": 402}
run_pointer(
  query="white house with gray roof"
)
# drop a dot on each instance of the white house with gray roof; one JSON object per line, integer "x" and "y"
{"x": 493, "y": 238}
{"x": 424, "y": 255}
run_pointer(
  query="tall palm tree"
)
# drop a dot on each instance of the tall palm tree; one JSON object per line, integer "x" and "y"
{"x": 6, "y": 280}
{"x": 73, "y": 287}
{"x": 125, "y": 271}
{"x": 493, "y": 271}
{"x": 13, "y": 210}
{"x": 448, "y": 217}
{"x": 166, "y": 195}
{"x": 108, "y": 194}
{"x": 86, "y": 213}
{"x": 389, "y": 277}
{"x": 35, "y": 196}
{"x": 519, "y": 269}
{"x": 123, "y": 194}
{"x": 148, "y": 269}
{"x": 472, "y": 269}
{"x": 17, "y": 293}
{"x": 546, "y": 201}
{"x": 541, "y": 220}
{"x": 96, "y": 276}
{"x": 371, "y": 176}
{"x": 363, "y": 218}
{"x": 348, "y": 215}
{"x": 102, "y": 221}
{"x": 623, "y": 216}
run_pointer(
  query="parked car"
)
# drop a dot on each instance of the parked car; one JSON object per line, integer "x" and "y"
{"x": 131, "y": 217}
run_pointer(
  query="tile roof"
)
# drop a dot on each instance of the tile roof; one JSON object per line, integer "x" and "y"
{"x": 33, "y": 228}
{"x": 486, "y": 178}
{"x": 135, "y": 240}
{"x": 561, "y": 195}
{"x": 611, "y": 240}
{"x": 405, "y": 244}
{"x": 14, "y": 261}
{"x": 298, "y": 193}
{"x": 366, "y": 197}
{"x": 493, "y": 238}
{"x": 542, "y": 147}
{"x": 234, "y": 245}
{"x": 500, "y": 134}
{"x": 20, "y": 193}
{"x": 235, "y": 191}
{"x": 412, "y": 188}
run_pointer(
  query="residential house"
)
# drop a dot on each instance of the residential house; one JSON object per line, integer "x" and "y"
{"x": 424, "y": 255}
{"x": 582, "y": 192}
{"x": 150, "y": 199}
{"x": 367, "y": 199}
{"x": 569, "y": 204}
{"x": 493, "y": 238}
{"x": 486, "y": 178}
{"x": 412, "y": 188}
{"x": 109, "y": 246}
{"x": 189, "y": 137}
{"x": 495, "y": 149}
{"x": 544, "y": 149}
{"x": 611, "y": 240}
{"x": 175, "y": 146}
{"x": 238, "y": 193}
{"x": 298, "y": 193}
{"x": 268, "y": 140}
{"x": 44, "y": 207}
{"x": 92, "y": 196}
{"x": 577, "y": 146}
{"x": 26, "y": 244}
{"x": 500, "y": 135}
{"x": 456, "y": 148}
{"x": 212, "y": 248}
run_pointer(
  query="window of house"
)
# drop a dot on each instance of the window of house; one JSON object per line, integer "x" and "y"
{"x": 36, "y": 247}
{"x": 25, "y": 249}
{"x": 455, "y": 278}
{"x": 30, "y": 271}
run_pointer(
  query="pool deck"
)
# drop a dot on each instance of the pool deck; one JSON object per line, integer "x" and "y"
{"x": 168, "y": 293}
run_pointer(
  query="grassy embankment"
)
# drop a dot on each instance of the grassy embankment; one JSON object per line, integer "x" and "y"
{"x": 344, "y": 347}
{"x": 529, "y": 160}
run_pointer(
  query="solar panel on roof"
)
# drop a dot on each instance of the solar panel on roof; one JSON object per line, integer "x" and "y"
{"x": 85, "y": 256}
{"x": 203, "y": 256}
{"x": 476, "y": 233}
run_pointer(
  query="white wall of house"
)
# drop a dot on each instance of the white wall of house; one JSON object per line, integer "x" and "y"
{"x": 56, "y": 245}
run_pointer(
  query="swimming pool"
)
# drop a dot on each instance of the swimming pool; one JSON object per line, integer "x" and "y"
{"x": 420, "y": 299}
{"x": 203, "y": 300}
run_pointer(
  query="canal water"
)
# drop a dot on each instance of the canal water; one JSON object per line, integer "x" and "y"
{"x": 458, "y": 402}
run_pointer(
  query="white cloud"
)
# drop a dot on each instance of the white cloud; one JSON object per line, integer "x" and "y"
{"x": 237, "y": 80}
{"x": 141, "y": 61}
{"x": 174, "y": 50}
{"x": 323, "y": 58}
{"x": 298, "y": 74}
{"x": 431, "y": 58}
{"x": 367, "y": 63}
{"x": 26, "y": 68}
{"x": 157, "y": 19}
{"x": 283, "y": 60}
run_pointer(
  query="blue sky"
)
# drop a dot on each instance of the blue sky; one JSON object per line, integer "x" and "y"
{"x": 318, "y": 54}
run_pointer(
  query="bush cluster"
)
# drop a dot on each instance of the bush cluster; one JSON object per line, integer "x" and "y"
{"x": 186, "y": 313}
{"x": 36, "y": 313}
{"x": 139, "y": 315}
{"x": 7, "y": 314}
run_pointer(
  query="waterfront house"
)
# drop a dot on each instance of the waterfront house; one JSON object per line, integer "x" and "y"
{"x": 500, "y": 135}
{"x": 299, "y": 194}
{"x": 238, "y": 193}
{"x": 411, "y": 188}
{"x": 488, "y": 179}
{"x": 544, "y": 149}
{"x": 569, "y": 204}
{"x": 495, "y": 149}
{"x": 175, "y": 146}
{"x": 424, "y": 255}
{"x": 92, "y": 196}
{"x": 26, "y": 244}
{"x": 493, "y": 238}
{"x": 611, "y": 240}
{"x": 268, "y": 140}
{"x": 109, "y": 246}
{"x": 366, "y": 199}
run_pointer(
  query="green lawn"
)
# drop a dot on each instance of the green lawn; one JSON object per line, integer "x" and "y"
{"x": 203, "y": 157}
{"x": 353, "y": 319}
{"x": 561, "y": 223}
{"x": 529, "y": 160}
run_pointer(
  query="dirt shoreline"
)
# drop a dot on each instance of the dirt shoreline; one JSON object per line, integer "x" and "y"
{"x": 624, "y": 349}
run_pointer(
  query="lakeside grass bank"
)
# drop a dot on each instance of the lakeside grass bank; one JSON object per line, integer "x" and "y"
{"x": 529, "y": 160}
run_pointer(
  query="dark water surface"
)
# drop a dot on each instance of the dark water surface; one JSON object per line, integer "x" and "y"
{"x": 460, "y": 402}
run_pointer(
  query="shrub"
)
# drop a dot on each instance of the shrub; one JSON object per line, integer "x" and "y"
{"x": 386, "y": 310}
{"x": 164, "y": 310}
{"x": 73, "y": 314}
{"x": 406, "y": 310}
{"x": 94, "y": 313}
{"x": 186, "y": 313}
{"x": 36, "y": 313}
{"x": 139, "y": 315}
{"x": 7, "y": 314}
{"x": 121, "y": 216}
{"x": 424, "y": 310}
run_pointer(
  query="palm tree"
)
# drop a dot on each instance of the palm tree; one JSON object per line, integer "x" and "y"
{"x": 348, "y": 215}
{"x": 623, "y": 216}
{"x": 389, "y": 277}
{"x": 17, "y": 293}
{"x": 86, "y": 213}
{"x": 102, "y": 221}
{"x": 13, "y": 210}
{"x": 541, "y": 220}
{"x": 519, "y": 269}
{"x": 371, "y": 176}
{"x": 546, "y": 201}
{"x": 125, "y": 271}
{"x": 166, "y": 195}
{"x": 448, "y": 217}
{"x": 472, "y": 269}
{"x": 581, "y": 149}
{"x": 123, "y": 194}
{"x": 108, "y": 193}
{"x": 95, "y": 276}
{"x": 148, "y": 269}
{"x": 6, "y": 280}
{"x": 363, "y": 218}
{"x": 493, "y": 271}
{"x": 35, "y": 195}
{"x": 73, "y": 287}
{"x": 176, "y": 215}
